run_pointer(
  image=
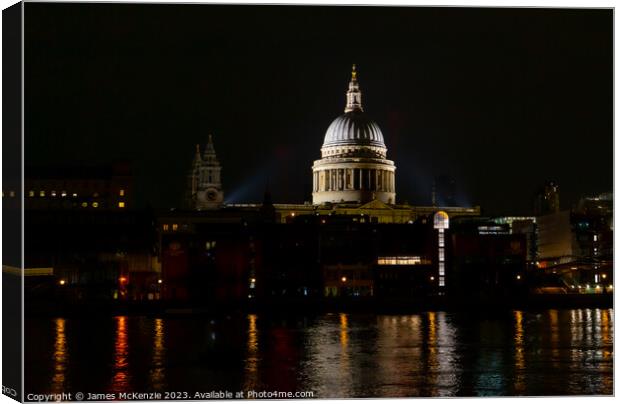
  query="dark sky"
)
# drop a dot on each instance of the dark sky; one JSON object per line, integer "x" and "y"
{"x": 500, "y": 99}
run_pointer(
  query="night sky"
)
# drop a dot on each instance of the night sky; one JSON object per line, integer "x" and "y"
{"x": 500, "y": 99}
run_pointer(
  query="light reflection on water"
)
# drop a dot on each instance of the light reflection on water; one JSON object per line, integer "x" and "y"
{"x": 251, "y": 362}
{"x": 519, "y": 379}
{"x": 60, "y": 357}
{"x": 550, "y": 352}
{"x": 121, "y": 378}
{"x": 158, "y": 370}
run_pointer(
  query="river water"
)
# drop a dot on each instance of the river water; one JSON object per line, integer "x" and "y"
{"x": 335, "y": 355}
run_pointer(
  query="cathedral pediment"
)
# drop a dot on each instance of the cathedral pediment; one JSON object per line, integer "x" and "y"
{"x": 376, "y": 204}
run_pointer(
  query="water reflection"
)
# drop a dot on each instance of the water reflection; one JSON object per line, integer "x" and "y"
{"x": 554, "y": 338}
{"x": 448, "y": 362}
{"x": 491, "y": 366}
{"x": 158, "y": 370}
{"x": 519, "y": 355}
{"x": 251, "y": 362}
{"x": 121, "y": 376}
{"x": 551, "y": 352}
{"x": 344, "y": 346}
{"x": 344, "y": 336}
{"x": 60, "y": 357}
{"x": 432, "y": 361}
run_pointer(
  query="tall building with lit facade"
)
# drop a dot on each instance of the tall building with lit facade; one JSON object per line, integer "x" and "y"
{"x": 353, "y": 165}
{"x": 204, "y": 181}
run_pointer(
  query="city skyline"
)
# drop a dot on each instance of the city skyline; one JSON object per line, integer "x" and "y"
{"x": 208, "y": 201}
{"x": 499, "y": 99}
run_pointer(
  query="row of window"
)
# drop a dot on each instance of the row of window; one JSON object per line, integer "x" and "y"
{"x": 63, "y": 194}
{"x": 121, "y": 204}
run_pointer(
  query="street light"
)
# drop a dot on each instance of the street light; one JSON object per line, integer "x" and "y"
{"x": 62, "y": 282}
{"x": 343, "y": 279}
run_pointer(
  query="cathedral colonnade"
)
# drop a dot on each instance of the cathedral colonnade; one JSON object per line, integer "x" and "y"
{"x": 355, "y": 179}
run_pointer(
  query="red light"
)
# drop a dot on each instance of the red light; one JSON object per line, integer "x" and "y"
{"x": 122, "y": 279}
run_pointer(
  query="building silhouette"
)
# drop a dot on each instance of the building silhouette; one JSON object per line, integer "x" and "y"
{"x": 547, "y": 199}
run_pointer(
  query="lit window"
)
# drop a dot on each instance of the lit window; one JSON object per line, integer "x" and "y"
{"x": 121, "y": 204}
{"x": 399, "y": 260}
{"x": 442, "y": 256}
{"x": 442, "y": 281}
{"x": 95, "y": 204}
{"x": 84, "y": 204}
{"x": 442, "y": 268}
{"x": 441, "y": 239}
{"x": 63, "y": 193}
{"x": 42, "y": 193}
{"x": 30, "y": 193}
{"x": 121, "y": 192}
{"x": 74, "y": 195}
{"x": 12, "y": 194}
{"x": 53, "y": 193}
{"x": 166, "y": 227}
{"x": 595, "y": 237}
{"x": 175, "y": 227}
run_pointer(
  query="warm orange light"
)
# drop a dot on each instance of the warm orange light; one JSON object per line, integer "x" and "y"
{"x": 121, "y": 204}
{"x": 62, "y": 282}
{"x": 121, "y": 192}
{"x": 518, "y": 276}
{"x": 122, "y": 279}
{"x": 344, "y": 279}
{"x": 159, "y": 281}
{"x": 432, "y": 278}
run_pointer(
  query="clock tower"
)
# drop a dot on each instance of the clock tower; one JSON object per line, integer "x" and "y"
{"x": 205, "y": 181}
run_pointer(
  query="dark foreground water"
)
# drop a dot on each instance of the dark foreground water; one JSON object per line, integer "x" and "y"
{"x": 550, "y": 352}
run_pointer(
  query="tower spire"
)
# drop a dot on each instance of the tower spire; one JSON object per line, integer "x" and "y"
{"x": 209, "y": 153}
{"x": 354, "y": 95}
{"x": 197, "y": 158}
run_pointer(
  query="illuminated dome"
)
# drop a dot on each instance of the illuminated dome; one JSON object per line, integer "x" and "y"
{"x": 353, "y": 165}
{"x": 353, "y": 128}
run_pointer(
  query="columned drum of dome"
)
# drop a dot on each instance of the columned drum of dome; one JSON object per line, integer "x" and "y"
{"x": 353, "y": 165}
